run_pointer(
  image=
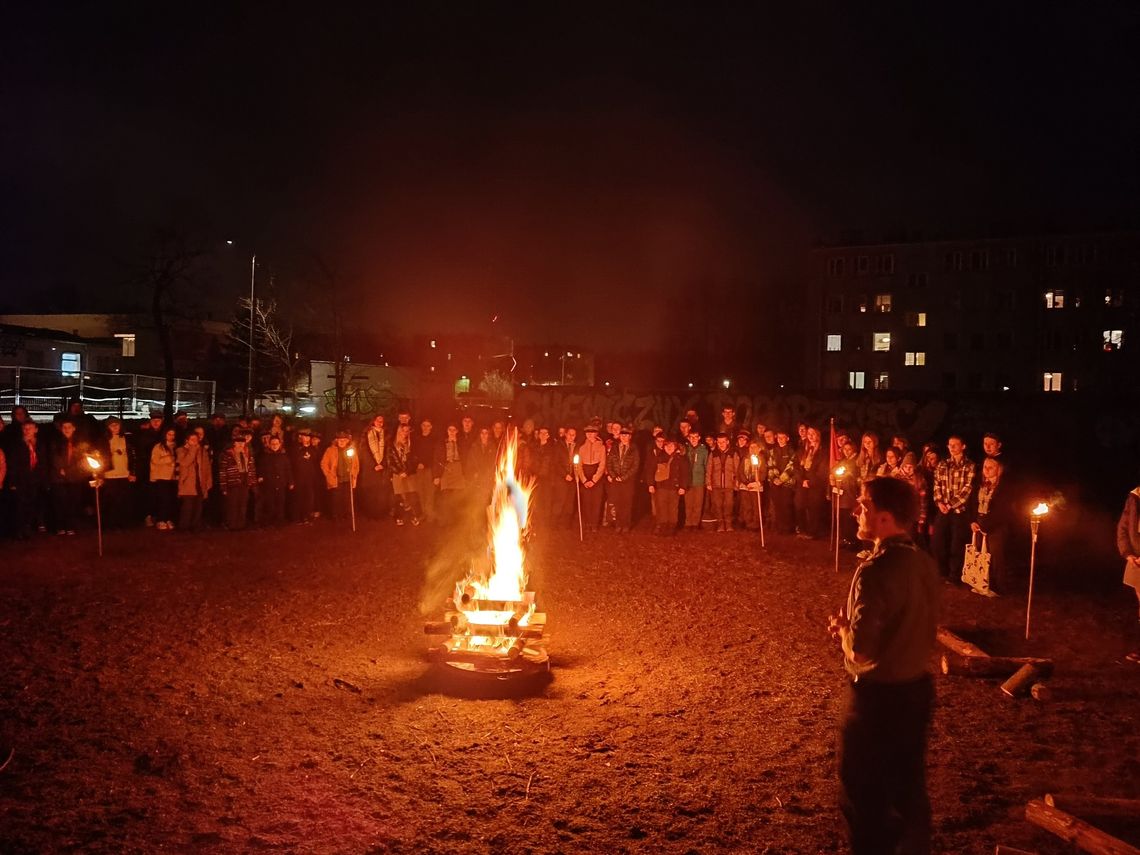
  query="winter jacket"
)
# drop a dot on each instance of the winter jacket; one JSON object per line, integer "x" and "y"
{"x": 698, "y": 460}
{"x": 275, "y": 471}
{"x": 329, "y": 466}
{"x": 623, "y": 466}
{"x": 654, "y": 457}
{"x": 678, "y": 476}
{"x": 720, "y": 471}
{"x": 195, "y": 474}
{"x": 163, "y": 463}
{"x": 69, "y": 467}
{"x": 782, "y": 466}
{"x": 230, "y": 474}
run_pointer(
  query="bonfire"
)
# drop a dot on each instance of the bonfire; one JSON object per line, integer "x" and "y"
{"x": 490, "y": 622}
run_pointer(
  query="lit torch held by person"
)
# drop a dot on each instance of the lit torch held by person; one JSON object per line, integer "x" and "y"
{"x": 96, "y": 467}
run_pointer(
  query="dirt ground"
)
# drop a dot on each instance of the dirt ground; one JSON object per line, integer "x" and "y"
{"x": 269, "y": 691}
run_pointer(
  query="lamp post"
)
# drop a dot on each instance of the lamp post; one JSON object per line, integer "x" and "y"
{"x": 249, "y": 365}
{"x": 759, "y": 493}
{"x": 96, "y": 467}
{"x": 1035, "y": 514}
{"x": 578, "y": 490}
{"x": 836, "y": 492}
{"x": 350, "y": 453}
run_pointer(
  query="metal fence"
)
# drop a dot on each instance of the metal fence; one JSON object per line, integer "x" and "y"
{"x": 46, "y": 392}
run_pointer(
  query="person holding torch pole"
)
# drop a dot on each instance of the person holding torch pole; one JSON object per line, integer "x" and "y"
{"x": 341, "y": 466}
{"x": 1039, "y": 510}
{"x": 578, "y": 491}
{"x": 756, "y": 483}
{"x": 96, "y": 467}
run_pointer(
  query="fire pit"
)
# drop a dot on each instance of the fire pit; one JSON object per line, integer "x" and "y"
{"x": 491, "y": 628}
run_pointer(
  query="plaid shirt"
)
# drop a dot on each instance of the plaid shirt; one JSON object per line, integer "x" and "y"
{"x": 953, "y": 483}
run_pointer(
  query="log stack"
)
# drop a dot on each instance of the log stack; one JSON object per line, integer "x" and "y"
{"x": 1083, "y": 835}
{"x": 1020, "y": 673}
{"x": 490, "y": 638}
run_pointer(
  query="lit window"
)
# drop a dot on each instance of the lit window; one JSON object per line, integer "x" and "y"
{"x": 882, "y": 303}
{"x": 882, "y": 380}
{"x": 856, "y": 380}
{"x": 881, "y": 341}
{"x": 1052, "y": 381}
{"x": 128, "y": 340}
{"x": 1055, "y": 299}
{"x": 916, "y": 319}
{"x": 917, "y": 357}
{"x": 433, "y": 342}
{"x": 1114, "y": 297}
{"x": 462, "y": 385}
{"x": 69, "y": 364}
{"x": 834, "y": 343}
{"x": 862, "y": 304}
{"x": 1113, "y": 339}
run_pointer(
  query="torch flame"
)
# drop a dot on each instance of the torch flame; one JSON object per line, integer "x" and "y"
{"x": 841, "y": 471}
{"x": 93, "y": 463}
{"x": 1040, "y": 509}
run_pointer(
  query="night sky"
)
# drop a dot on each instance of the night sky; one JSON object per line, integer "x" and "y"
{"x": 539, "y": 160}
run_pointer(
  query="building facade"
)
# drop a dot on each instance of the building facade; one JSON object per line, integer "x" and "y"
{"x": 1044, "y": 314}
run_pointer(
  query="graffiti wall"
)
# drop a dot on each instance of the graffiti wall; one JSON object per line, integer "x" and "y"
{"x": 368, "y": 389}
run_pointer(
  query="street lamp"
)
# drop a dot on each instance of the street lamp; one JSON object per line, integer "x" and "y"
{"x": 836, "y": 492}
{"x": 350, "y": 453}
{"x": 578, "y": 490}
{"x": 1038, "y": 511}
{"x": 96, "y": 467}
{"x": 249, "y": 365}
{"x": 759, "y": 492}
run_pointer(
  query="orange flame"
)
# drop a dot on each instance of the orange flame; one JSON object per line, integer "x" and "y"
{"x": 507, "y": 518}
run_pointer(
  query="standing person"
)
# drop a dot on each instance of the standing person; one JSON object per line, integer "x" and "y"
{"x": 118, "y": 476}
{"x": 305, "y": 467}
{"x": 611, "y": 439}
{"x": 541, "y": 462}
{"x": 341, "y": 471}
{"x": 994, "y": 518}
{"x": 426, "y": 445}
{"x": 563, "y": 477}
{"x": 239, "y": 477}
{"x": 26, "y": 482}
{"x": 1128, "y": 544}
{"x": 591, "y": 474}
{"x": 195, "y": 478}
{"x": 727, "y": 424}
{"x": 783, "y": 478}
{"x": 670, "y": 491}
{"x": 479, "y": 468}
{"x": 870, "y": 457}
{"x": 953, "y": 489}
{"x": 275, "y": 483}
{"x": 449, "y": 477}
{"x": 622, "y": 465}
{"x": 720, "y": 481}
{"x": 811, "y": 495}
{"x": 750, "y": 483}
{"x": 910, "y": 472}
{"x": 468, "y": 436}
{"x": 403, "y": 465}
{"x": 889, "y": 468}
{"x": 164, "y": 480}
{"x": 698, "y": 455}
{"x": 375, "y": 480}
{"x": 654, "y": 469}
{"x": 886, "y": 632}
{"x": 148, "y": 435}
{"x": 69, "y": 473}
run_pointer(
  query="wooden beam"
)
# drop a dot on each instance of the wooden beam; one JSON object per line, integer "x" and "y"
{"x": 1087, "y": 838}
{"x": 1022, "y": 679}
{"x": 959, "y": 645}
{"x": 1094, "y": 806}
{"x": 1002, "y": 849}
{"x": 989, "y": 666}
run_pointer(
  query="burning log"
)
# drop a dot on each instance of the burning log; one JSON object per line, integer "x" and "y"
{"x": 959, "y": 645}
{"x": 990, "y": 666}
{"x": 1002, "y": 849}
{"x": 1087, "y": 838}
{"x": 1094, "y": 806}
{"x": 1023, "y": 678}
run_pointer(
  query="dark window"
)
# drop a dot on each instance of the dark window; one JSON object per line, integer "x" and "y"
{"x": 1003, "y": 340}
{"x": 977, "y": 342}
{"x": 950, "y": 341}
{"x": 1054, "y": 256}
{"x": 835, "y": 304}
{"x": 835, "y": 267}
{"x": 1011, "y": 257}
{"x": 1114, "y": 297}
{"x": 917, "y": 280}
{"x": 949, "y": 380}
{"x": 953, "y": 261}
{"x": 980, "y": 259}
{"x": 862, "y": 265}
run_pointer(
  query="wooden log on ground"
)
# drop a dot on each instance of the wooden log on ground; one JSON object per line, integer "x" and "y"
{"x": 1100, "y": 807}
{"x": 989, "y": 666}
{"x": 1041, "y": 692}
{"x": 959, "y": 645}
{"x": 1022, "y": 679}
{"x": 1002, "y": 849}
{"x": 1087, "y": 838}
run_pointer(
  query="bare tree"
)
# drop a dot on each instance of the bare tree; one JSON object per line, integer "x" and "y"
{"x": 330, "y": 286}
{"x": 172, "y": 267}
{"x": 272, "y": 338}
{"x": 497, "y": 386}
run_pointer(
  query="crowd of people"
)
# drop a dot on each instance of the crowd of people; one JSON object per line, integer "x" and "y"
{"x": 180, "y": 475}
